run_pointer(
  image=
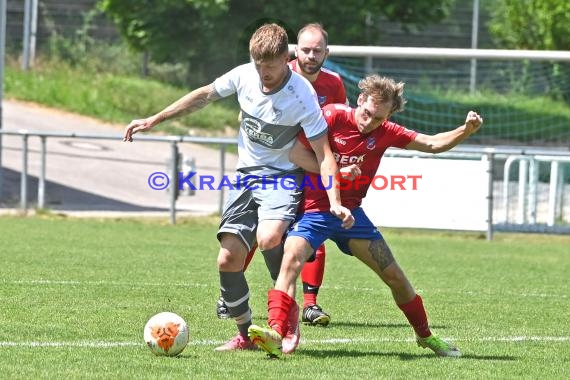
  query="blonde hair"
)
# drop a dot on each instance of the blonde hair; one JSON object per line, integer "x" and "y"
{"x": 384, "y": 90}
{"x": 268, "y": 42}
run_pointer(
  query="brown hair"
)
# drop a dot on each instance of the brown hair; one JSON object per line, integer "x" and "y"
{"x": 314, "y": 26}
{"x": 269, "y": 41}
{"x": 384, "y": 90}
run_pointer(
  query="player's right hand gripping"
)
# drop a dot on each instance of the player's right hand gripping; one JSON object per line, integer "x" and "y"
{"x": 343, "y": 214}
{"x": 350, "y": 172}
{"x": 139, "y": 125}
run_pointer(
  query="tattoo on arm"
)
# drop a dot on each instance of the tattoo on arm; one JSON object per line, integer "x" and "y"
{"x": 381, "y": 253}
{"x": 213, "y": 94}
{"x": 210, "y": 97}
{"x": 201, "y": 101}
{"x": 191, "y": 102}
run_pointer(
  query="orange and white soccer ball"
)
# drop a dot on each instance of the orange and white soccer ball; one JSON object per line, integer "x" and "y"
{"x": 166, "y": 334}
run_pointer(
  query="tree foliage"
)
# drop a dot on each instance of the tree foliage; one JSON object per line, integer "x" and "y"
{"x": 212, "y": 36}
{"x": 536, "y": 25}
{"x": 531, "y": 24}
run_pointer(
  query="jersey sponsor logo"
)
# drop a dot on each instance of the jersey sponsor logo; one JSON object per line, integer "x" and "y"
{"x": 345, "y": 159}
{"x": 340, "y": 141}
{"x": 252, "y": 128}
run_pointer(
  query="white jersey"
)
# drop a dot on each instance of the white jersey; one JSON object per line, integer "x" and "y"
{"x": 271, "y": 121}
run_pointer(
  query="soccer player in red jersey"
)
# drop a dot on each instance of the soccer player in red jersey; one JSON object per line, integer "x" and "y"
{"x": 358, "y": 137}
{"x": 311, "y": 52}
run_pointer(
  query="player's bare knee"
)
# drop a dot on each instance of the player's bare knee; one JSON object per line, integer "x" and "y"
{"x": 223, "y": 261}
{"x": 293, "y": 261}
{"x": 229, "y": 261}
{"x": 298, "y": 249}
{"x": 394, "y": 276}
{"x": 267, "y": 241}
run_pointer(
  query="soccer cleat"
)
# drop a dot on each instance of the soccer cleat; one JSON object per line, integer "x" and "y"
{"x": 237, "y": 343}
{"x": 267, "y": 339}
{"x": 439, "y": 346}
{"x": 293, "y": 335}
{"x": 315, "y": 316}
{"x": 222, "y": 309}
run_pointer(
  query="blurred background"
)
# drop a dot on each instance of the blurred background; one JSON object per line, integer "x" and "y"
{"x": 96, "y": 58}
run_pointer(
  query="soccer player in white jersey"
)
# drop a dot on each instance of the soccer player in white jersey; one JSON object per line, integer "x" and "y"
{"x": 276, "y": 104}
{"x": 311, "y": 52}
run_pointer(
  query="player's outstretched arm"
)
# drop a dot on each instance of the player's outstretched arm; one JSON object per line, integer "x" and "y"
{"x": 189, "y": 103}
{"x": 444, "y": 141}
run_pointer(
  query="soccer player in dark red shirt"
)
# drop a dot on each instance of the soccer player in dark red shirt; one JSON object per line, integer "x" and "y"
{"x": 311, "y": 52}
{"x": 358, "y": 138}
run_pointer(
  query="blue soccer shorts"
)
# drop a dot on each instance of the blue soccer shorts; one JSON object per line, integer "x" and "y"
{"x": 316, "y": 227}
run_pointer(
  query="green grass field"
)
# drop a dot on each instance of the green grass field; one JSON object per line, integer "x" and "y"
{"x": 77, "y": 293}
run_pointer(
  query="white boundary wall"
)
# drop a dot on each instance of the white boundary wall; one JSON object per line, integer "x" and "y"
{"x": 457, "y": 181}
{"x": 434, "y": 193}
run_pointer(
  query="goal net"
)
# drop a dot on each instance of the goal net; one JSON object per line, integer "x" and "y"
{"x": 523, "y": 102}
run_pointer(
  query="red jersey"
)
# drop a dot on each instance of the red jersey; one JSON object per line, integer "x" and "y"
{"x": 328, "y": 85}
{"x": 349, "y": 146}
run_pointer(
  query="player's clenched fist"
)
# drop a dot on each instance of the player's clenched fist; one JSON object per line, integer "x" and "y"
{"x": 473, "y": 121}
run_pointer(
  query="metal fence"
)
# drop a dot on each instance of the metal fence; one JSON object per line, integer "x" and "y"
{"x": 533, "y": 201}
{"x": 174, "y": 164}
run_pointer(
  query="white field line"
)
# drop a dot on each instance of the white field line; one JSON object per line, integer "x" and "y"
{"x": 381, "y": 287}
{"x": 332, "y": 341}
{"x": 104, "y": 282}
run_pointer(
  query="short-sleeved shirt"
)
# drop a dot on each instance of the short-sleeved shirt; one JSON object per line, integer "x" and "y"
{"x": 349, "y": 146}
{"x": 328, "y": 85}
{"x": 271, "y": 121}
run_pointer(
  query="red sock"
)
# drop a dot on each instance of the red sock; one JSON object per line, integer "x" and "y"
{"x": 278, "y": 305}
{"x": 309, "y": 298}
{"x": 312, "y": 277}
{"x": 249, "y": 257}
{"x": 416, "y": 314}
